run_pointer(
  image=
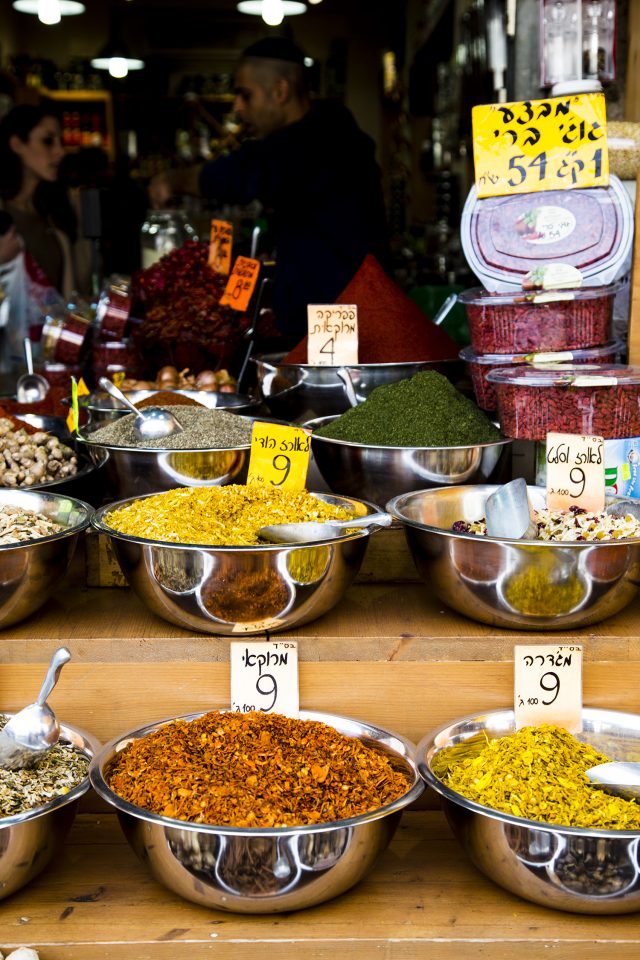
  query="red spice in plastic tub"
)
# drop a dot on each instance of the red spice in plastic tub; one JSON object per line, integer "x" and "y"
{"x": 113, "y": 311}
{"x": 63, "y": 338}
{"x": 115, "y": 356}
{"x": 480, "y": 364}
{"x": 539, "y": 321}
{"x": 59, "y": 374}
{"x": 602, "y": 400}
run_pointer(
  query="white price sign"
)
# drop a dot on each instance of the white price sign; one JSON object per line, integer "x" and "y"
{"x": 575, "y": 472}
{"x": 264, "y": 676}
{"x": 548, "y": 685}
{"x": 332, "y": 334}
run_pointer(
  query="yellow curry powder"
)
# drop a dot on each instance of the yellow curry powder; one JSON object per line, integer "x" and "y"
{"x": 537, "y": 773}
{"x": 219, "y": 516}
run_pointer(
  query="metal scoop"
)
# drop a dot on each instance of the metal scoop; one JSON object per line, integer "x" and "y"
{"x": 619, "y": 777}
{"x": 31, "y": 732}
{"x": 153, "y": 423}
{"x": 31, "y": 387}
{"x": 509, "y": 513}
{"x": 310, "y": 530}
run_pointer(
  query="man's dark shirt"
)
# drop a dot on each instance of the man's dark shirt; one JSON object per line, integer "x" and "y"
{"x": 320, "y": 186}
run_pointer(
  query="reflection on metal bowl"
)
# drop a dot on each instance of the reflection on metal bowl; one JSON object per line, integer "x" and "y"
{"x": 232, "y": 591}
{"x": 263, "y": 870}
{"x": 295, "y": 391}
{"x": 29, "y": 841}
{"x": 532, "y": 585}
{"x": 568, "y": 868}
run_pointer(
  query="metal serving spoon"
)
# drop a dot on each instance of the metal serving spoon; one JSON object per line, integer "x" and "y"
{"x": 310, "y": 530}
{"x": 619, "y": 777}
{"x": 509, "y": 513}
{"x": 34, "y": 730}
{"x": 31, "y": 387}
{"x": 153, "y": 423}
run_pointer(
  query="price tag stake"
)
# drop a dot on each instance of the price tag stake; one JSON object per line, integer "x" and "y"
{"x": 279, "y": 455}
{"x": 575, "y": 472}
{"x": 548, "y": 685}
{"x": 264, "y": 677}
{"x": 332, "y": 334}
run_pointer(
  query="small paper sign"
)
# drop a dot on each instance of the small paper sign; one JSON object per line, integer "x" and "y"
{"x": 333, "y": 334}
{"x": 264, "y": 676}
{"x": 220, "y": 243}
{"x": 548, "y": 685}
{"x": 78, "y": 389}
{"x": 241, "y": 284}
{"x": 279, "y": 455}
{"x": 535, "y": 145}
{"x": 575, "y": 472}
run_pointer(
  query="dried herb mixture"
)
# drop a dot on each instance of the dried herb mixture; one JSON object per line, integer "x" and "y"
{"x": 18, "y": 525}
{"x": 254, "y": 770}
{"x": 537, "y": 773}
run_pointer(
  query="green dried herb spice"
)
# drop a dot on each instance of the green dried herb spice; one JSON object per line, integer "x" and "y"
{"x": 537, "y": 773}
{"x": 425, "y": 411}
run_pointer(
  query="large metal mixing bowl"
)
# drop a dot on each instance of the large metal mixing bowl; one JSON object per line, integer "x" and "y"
{"x": 379, "y": 473}
{"x": 30, "y": 840}
{"x": 263, "y": 870}
{"x": 100, "y": 408}
{"x": 235, "y": 591}
{"x": 297, "y": 391}
{"x": 567, "y": 868}
{"x": 30, "y": 571}
{"x": 523, "y": 584}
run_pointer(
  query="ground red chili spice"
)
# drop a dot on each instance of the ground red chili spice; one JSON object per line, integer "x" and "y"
{"x": 167, "y": 398}
{"x": 254, "y": 770}
{"x": 391, "y": 327}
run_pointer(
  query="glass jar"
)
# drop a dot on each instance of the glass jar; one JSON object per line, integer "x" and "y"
{"x": 162, "y": 232}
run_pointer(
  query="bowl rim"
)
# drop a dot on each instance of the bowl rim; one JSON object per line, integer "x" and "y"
{"x": 508, "y": 713}
{"x": 81, "y": 505}
{"x": 329, "y": 418}
{"x": 97, "y": 521}
{"x": 270, "y": 360}
{"x": 91, "y": 401}
{"x": 394, "y": 507}
{"x": 377, "y": 734}
{"x": 73, "y": 736}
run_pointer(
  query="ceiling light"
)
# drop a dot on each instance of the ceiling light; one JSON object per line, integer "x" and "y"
{"x": 290, "y": 8}
{"x": 117, "y": 65}
{"x": 49, "y": 11}
{"x": 272, "y": 12}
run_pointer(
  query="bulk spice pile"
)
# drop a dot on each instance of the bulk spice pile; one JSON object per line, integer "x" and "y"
{"x": 29, "y": 456}
{"x": 203, "y": 429}
{"x": 574, "y": 524}
{"x": 18, "y": 525}
{"x": 537, "y": 773}
{"x": 254, "y": 770}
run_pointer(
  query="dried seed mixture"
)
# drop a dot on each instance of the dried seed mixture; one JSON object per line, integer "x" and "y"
{"x": 537, "y": 773}
{"x": 569, "y": 525}
{"x": 254, "y": 770}
{"x": 61, "y": 769}
{"x": 18, "y": 525}
{"x": 218, "y": 516}
{"x": 203, "y": 429}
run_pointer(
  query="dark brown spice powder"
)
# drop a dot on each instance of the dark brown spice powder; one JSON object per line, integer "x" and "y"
{"x": 254, "y": 770}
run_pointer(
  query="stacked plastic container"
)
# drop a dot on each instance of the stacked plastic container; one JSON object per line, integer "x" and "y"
{"x": 551, "y": 265}
{"x": 112, "y": 351}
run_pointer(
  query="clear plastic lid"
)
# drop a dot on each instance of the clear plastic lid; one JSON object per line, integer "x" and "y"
{"x": 568, "y": 375}
{"x": 478, "y": 296}
{"x": 469, "y": 355}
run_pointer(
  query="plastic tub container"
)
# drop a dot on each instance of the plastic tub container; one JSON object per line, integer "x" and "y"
{"x": 59, "y": 374}
{"x": 600, "y": 400}
{"x": 63, "y": 338}
{"x": 480, "y": 364}
{"x": 115, "y": 356}
{"x": 521, "y": 322}
{"x": 114, "y": 308}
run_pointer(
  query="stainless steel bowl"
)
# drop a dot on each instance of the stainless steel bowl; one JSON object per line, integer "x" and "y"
{"x": 286, "y": 868}
{"x": 567, "y": 868}
{"x": 235, "y": 591}
{"x": 295, "y": 391}
{"x": 523, "y": 584}
{"x": 101, "y": 408}
{"x": 379, "y": 473}
{"x": 30, "y": 571}
{"x": 30, "y": 840}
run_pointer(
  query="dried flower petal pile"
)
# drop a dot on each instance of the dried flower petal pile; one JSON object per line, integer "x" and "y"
{"x": 254, "y": 770}
{"x": 569, "y": 525}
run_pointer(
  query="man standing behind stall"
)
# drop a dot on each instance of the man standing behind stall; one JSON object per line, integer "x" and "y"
{"x": 313, "y": 170}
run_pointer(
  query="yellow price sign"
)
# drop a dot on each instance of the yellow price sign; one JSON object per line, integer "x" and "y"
{"x": 279, "y": 455}
{"x": 78, "y": 389}
{"x": 220, "y": 243}
{"x": 537, "y": 145}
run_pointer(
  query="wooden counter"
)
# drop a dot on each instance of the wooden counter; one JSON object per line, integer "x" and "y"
{"x": 388, "y": 654}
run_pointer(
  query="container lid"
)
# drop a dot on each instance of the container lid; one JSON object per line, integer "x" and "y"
{"x": 506, "y": 238}
{"x": 469, "y": 355}
{"x": 568, "y": 375}
{"x": 479, "y": 297}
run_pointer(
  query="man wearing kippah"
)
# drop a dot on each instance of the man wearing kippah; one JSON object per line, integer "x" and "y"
{"x": 314, "y": 172}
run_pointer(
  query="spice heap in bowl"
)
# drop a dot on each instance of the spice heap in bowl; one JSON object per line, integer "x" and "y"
{"x": 408, "y": 435}
{"x": 193, "y": 556}
{"x": 523, "y": 809}
{"x": 258, "y": 813}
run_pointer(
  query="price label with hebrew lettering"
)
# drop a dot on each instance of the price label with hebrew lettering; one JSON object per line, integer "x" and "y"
{"x": 575, "y": 472}
{"x": 279, "y": 455}
{"x": 536, "y": 145}
{"x": 548, "y": 685}
{"x": 241, "y": 284}
{"x": 333, "y": 334}
{"x": 264, "y": 676}
{"x": 220, "y": 243}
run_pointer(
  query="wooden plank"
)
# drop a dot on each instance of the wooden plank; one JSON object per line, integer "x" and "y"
{"x": 423, "y": 898}
{"x": 632, "y": 76}
{"x": 633, "y": 338}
